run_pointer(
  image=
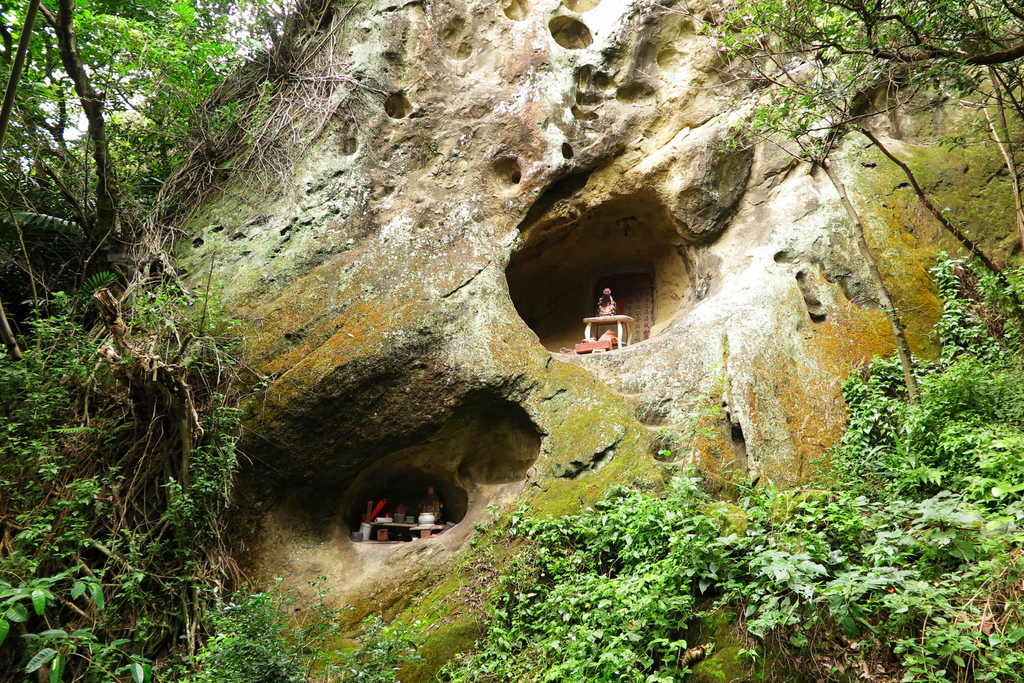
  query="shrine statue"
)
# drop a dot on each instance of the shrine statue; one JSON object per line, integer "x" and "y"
{"x": 606, "y": 304}
{"x": 431, "y": 504}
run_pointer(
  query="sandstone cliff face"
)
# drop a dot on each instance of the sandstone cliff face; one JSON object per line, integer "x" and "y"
{"x": 409, "y": 289}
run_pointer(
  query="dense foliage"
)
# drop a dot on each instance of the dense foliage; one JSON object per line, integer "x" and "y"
{"x": 909, "y": 565}
{"x": 264, "y": 638}
{"x": 823, "y": 66}
{"x": 154, "y": 64}
{"x": 110, "y": 539}
{"x": 117, "y": 450}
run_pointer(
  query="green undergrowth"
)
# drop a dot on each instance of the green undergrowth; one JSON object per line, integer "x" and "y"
{"x": 266, "y": 638}
{"x": 111, "y": 518}
{"x": 907, "y": 563}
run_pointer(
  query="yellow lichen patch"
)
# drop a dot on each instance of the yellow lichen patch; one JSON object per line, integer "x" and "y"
{"x": 967, "y": 184}
{"x": 805, "y": 401}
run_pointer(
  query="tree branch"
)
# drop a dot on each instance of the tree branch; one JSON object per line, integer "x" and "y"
{"x": 898, "y": 333}
{"x": 92, "y": 104}
{"x": 998, "y": 57}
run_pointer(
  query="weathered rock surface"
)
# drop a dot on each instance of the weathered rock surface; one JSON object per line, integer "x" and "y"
{"x": 409, "y": 290}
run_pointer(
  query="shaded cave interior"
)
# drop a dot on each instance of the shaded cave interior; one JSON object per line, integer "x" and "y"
{"x": 488, "y": 441}
{"x": 629, "y": 245}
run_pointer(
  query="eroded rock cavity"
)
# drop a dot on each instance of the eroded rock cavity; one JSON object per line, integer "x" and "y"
{"x": 628, "y": 245}
{"x": 484, "y": 444}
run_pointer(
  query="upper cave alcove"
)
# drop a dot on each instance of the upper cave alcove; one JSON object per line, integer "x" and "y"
{"x": 629, "y": 245}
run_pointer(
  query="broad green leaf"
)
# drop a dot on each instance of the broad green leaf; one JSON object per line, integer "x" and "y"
{"x": 139, "y": 672}
{"x": 1003, "y": 488}
{"x": 57, "y": 669}
{"x": 77, "y": 589}
{"x": 54, "y": 633}
{"x": 97, "y": 595}
{"x": 5, "y": 628}
{"x": 42, "y": 657}
{"x": 965, "y": 548}
{"x": 17, "y": 613}
{"x": 39, "y": 601}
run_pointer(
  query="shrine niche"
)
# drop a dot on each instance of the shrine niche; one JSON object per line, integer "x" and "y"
{"x": 487, "y": 443}
{"x": 635, "y": 296}
{"x": 629, "y": 246}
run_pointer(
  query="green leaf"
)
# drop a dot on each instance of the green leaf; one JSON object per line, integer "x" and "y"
{"x": 140, "y": 673}
{"x": 39, "y": 601}
{"x": 17, "y": 613}
{"x": 57, "y": 670}
{"x": 30, "y": 219}
{"x": 5, "y": 628}
{"x": 1002, "y": 488}
{"x": 97, "y": 595}
{"x": 966, "y": 549}
{"x": 42, "y": 657}
{"x": 54, "y": 633}
{"x": 77, "y": 589}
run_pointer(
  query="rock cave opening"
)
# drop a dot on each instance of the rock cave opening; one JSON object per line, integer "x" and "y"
{"x": 486, "y": 443}
{"x": 408, "y": 487}
{"x": 629, "y": 246}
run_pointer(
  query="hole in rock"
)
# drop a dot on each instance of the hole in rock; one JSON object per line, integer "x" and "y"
{"x": 507, "y": 168}
{"x": 813, "y": 304}
{"x": 198, "y": 242}
{"x": 516, "y": 10}
{"x": 572, "y": 34}
{"x": 454, "y": 31}
{"x": 582, "y": 115}
{"x": 566, "y": 150}
{"x": 581, "y": 6}
{"x": 397, "y": 105}
{"x": 635, "y": 92}
{"x": 408, "y": 488}
{"x": 739, "y": 442}
{"x": 486, "y": 443}
{"x": 783, "y": 257}
{"x": 629, "y": 246}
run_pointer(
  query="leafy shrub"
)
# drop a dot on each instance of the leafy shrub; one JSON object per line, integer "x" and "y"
{"x": 95, "y": 493}
{"x": 910, "y": 566}
{"x": 256, "y": 641}
{"x": 968, "y": 432}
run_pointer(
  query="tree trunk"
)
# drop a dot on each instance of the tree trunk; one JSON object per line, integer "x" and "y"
{"x": 1003, "y": 141}
{"x": 899, "y": 336}
{"x": 106, "y": 219}
{"x": 7, "y": 336}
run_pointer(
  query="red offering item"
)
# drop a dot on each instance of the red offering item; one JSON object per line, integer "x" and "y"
{"x": 589, "y": 347}
{"x": 373, "y": 516}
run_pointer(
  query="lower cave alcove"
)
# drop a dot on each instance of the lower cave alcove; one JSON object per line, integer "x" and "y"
{"x": 487, "y": 442}
{"x": 629, "y": 245}
{"x": 407, "y": 486}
